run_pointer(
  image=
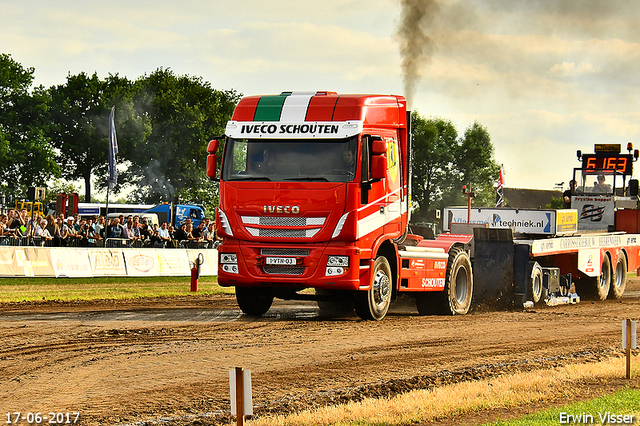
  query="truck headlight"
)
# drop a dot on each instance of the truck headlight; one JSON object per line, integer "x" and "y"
{"x": 338, "y": 261}
{"x": 228, "y": 258}
{"x": 229, "y": 262}
{"x": 336, "y": 265}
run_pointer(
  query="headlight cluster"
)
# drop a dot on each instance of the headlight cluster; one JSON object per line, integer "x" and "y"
{"x": 337, "y": 265}
{"x": 229, "y": 262}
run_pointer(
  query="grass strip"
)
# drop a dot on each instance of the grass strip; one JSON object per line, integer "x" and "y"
{"x": 460, "y": 399}
{"x": 621, "y": 407}
{"x": 70, "y": 289}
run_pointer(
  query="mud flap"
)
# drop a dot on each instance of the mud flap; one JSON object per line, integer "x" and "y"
{"x": 493, "y": 267}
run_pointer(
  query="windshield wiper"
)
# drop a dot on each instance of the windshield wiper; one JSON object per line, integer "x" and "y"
{"x": 309, "y": 178}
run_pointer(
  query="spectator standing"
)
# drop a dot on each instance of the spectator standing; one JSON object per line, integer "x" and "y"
{"x": 181, "y": 235}
{"x": 198, "y": 232}
{"x": 98, "y": 226}
{"x": 145, "y": 234}
{"x": 130, "y": 232}
{"x": 115, "y": 230}
{"x": 42, "y": 232}
{"x": 163, "y": 234}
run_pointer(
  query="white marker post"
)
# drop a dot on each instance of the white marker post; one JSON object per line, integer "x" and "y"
{"x": 241, "y": 399}
{"x": 629, "y": 341}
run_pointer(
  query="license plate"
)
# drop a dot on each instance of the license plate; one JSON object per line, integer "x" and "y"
{"x": 280, "y": 260}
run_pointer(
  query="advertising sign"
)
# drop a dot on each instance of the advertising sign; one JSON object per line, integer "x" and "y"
{"x": 542, "y": 222}
{"x": 595, "y": 212}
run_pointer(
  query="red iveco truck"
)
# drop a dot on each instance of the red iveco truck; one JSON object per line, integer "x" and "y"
{"x": 314, "y": 194}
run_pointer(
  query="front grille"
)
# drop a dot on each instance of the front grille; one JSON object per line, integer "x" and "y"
{"x": 284, "y": 252}
{"x": 283, "y": 233}
{"x": 283, "y": 220}
{"x": 283, "y": 270}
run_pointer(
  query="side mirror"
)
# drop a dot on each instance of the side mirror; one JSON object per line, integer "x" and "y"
{"x": 212, "y": 166}
{"x": 212, "y": 148}
{"x": 212, "y": 159}
{"x": 378, "y": 146}
{"x": 378, "y": 167}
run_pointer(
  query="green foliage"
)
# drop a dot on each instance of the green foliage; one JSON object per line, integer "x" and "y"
{"x": 26, "y": 156}
{"x": 79, "y": 117}
{"x": 442, "y": 163}
{"x": 184, "y": 113}
{"x": 556, "y": 203}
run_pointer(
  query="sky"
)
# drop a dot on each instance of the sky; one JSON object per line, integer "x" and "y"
{"x": 546, "y": 78}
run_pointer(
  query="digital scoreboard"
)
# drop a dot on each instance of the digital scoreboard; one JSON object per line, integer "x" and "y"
{"x": 603, "y": 162}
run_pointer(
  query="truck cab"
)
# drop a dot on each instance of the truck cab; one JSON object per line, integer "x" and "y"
{"x": 313, "y": 194}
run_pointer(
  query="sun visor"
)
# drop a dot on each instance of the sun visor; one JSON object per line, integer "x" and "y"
{"x": 293, "y": 130}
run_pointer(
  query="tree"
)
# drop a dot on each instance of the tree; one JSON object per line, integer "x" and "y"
{"x": 79, "y": 127}
{"x": 443, "y": 163}
{"x": 476, "y": 164}
{"x": 26, "y": 156}
{"x": 434, "y": 142}
{"x": 184, "y": 113}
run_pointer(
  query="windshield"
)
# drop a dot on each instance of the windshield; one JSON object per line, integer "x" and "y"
{"x": 328, "y": 160}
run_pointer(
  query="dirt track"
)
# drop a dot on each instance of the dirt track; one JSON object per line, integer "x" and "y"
{"x": 126, "y": 362}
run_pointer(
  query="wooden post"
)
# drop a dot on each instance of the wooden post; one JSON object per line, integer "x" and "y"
{"x": 239, "y": 397}
{"x": 628, "y": 346}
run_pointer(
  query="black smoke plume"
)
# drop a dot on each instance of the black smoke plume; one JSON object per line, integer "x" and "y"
{"x": 417, "y": 46}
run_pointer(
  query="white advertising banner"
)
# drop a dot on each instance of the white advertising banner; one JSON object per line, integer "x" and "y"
{"x": 70, "y": 262}
{"x": 8, "y": 266}
{"x": 172, "y": 262}
{"x": 107, "y": 262}
{"x": 103, "y": 262}
{"x": 210, "y": 258}
{"x": 141, "y": 262}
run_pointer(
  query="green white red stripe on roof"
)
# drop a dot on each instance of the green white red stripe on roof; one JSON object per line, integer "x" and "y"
{"x": 288, "y": 116}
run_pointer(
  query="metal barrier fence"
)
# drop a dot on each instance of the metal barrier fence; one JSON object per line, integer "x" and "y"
{"x": 10, "y": 240}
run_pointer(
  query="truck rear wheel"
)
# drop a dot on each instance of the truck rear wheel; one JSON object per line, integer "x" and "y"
{"x": 374, "y": 303}
{"x": 597, "y": 288}
{"x": 254, "y": 301}
{"x": 619, "y": 279}
{"x": 455, "y": 299}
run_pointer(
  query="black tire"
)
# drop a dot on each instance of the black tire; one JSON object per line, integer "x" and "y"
{"x": 254, "y": 301}
{"x": 374, "y": 303}
{"x": 456, "y": 297}
{"x": 339, "y": 303}
{"x": 536, "y": 289}
{"x": 597, "y": 288}
{"x": 619, "y": 278}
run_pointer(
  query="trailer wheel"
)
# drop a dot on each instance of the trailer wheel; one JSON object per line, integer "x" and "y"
{"x": 456, "y": 297}
{"x": 597, "y": 288}
{"x": 254, "y": 301}
{"x": 619, "y": 279}
{"x": 536, "y": 288}
{"x": 374, "y": 303}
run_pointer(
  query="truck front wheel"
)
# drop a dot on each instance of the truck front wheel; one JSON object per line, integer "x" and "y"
{"x": 374, "y": 303}
{"x": 254, "y": 301}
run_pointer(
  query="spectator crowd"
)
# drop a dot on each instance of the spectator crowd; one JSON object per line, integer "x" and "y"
{"x": 17, "y": 228}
